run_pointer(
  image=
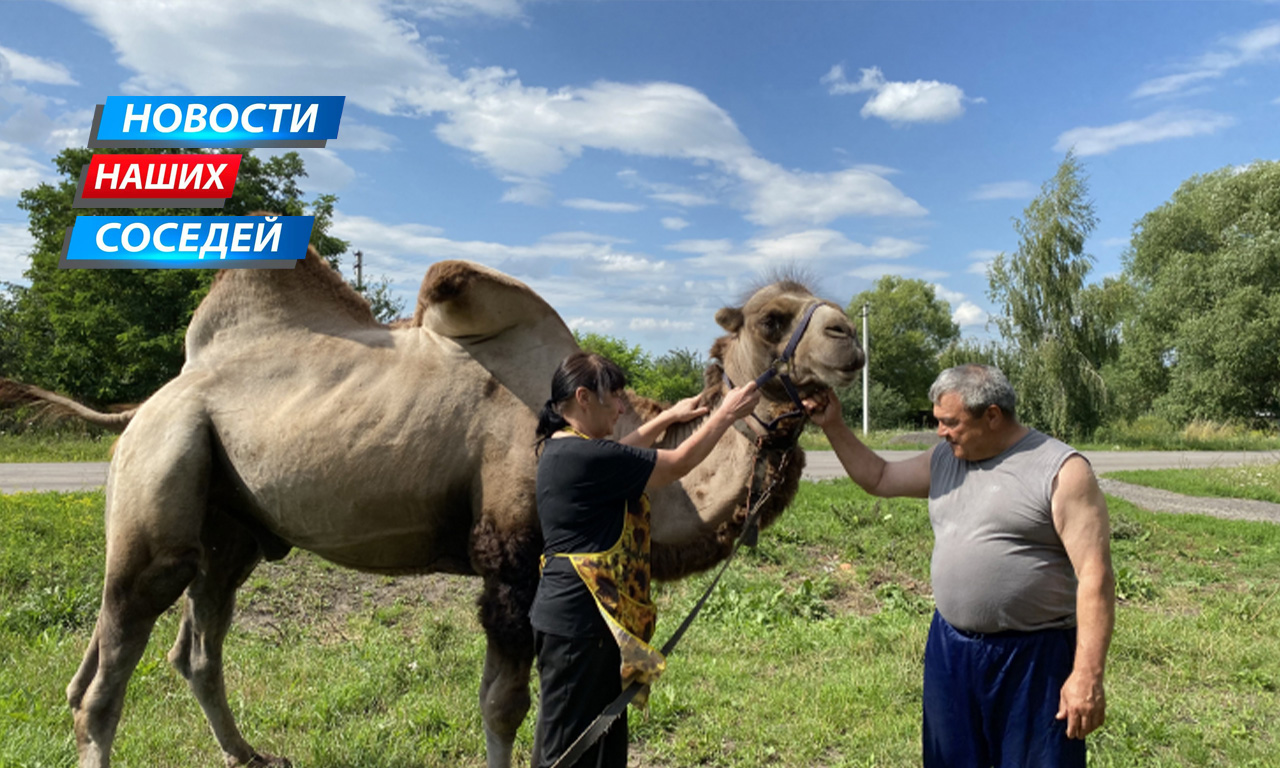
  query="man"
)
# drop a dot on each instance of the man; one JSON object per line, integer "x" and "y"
{"x": 1021, "y": 577}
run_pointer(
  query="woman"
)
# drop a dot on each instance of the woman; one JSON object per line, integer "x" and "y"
{"x": 592, "y": 617}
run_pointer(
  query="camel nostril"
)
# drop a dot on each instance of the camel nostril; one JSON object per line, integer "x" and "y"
{"x": 836, "y": 332}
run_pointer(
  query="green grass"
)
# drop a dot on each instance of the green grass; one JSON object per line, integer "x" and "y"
{"x": 1151, "y": 433}
{"x": 812, "y": 439}
{"x": 1250, "y": 481}
{"x": 52, "y": 447}
{"x": 808, "y": 655}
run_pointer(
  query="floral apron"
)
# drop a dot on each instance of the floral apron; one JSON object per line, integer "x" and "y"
{"x": 618, "y": 580}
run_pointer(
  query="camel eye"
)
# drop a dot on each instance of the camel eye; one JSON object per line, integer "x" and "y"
{"x": 773, "y": 324}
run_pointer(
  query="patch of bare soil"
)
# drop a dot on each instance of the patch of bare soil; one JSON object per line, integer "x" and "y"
{"x": 305, "y": 590}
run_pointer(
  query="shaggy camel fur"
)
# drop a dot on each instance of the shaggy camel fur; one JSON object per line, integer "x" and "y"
{"x": 300, "y": 421}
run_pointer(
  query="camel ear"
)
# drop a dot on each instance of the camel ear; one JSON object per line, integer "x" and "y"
{"x": 730, "y": 319}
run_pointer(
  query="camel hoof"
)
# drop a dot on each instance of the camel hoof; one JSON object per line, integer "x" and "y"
{"x": 259, "y": 760}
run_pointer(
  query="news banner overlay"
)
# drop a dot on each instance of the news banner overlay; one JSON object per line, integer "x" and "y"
{"x": 186, "y": 242}
{"x": 216, "y": 121}
{"x": 157, "y": 181}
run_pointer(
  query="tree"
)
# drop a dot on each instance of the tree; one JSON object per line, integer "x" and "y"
{"x": 909, "y": 327}
{"x": 1047, "y": 314}
{"x": 674, "y": 376}
{"x": 889, "y": 410}
{"x": 117, "y": 335}
{"x": 1203, "y": 339}
{"x": 668, "y": 378}
{"x": 633, "y": 360}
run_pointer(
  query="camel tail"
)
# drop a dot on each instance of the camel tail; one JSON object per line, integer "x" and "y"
{"x": 15, "y": 393}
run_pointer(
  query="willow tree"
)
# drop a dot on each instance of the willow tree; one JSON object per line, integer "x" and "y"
{"x": 1047, "y": 314}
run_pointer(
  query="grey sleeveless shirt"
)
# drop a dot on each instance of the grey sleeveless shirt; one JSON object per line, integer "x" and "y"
{"x": 998, "y": 563}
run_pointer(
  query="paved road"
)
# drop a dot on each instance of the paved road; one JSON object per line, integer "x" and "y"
{"x": 820, "y": 465}
{"x": 823, "y": 465}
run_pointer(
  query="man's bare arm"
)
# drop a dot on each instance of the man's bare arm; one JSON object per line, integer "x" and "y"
{"x": 1080, "y": 516}
{"x": 876, "y": 476}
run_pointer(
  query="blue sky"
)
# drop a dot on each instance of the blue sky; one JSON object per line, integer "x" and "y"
{"x": 640, "y": 164}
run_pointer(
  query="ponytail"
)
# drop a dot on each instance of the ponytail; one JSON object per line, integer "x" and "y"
{"x": 550, "y": 421}
{"x": 581, "y": 369}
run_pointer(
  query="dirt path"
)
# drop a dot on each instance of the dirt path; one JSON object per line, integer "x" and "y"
{"x": 1156, "y": 500}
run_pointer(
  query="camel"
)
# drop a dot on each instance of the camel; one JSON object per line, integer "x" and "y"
{"x": 298, "y": 420}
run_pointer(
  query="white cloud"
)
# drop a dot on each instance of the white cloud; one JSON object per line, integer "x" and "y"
{"x": 526, "y": 191}
{"x": 361, "y": 136}
{"x": 590, "y": 326}
{"x": 328, "y": 46}
{"x": 581, "y": 237}
{"x": 674, "y": 223}
{"x": 15, "y": 246}
{"x": 1115, "y": 242}
{"x": 523, "y": 134}
{"x": 536, "y": 132}
{"x": 326, "y": 172}
{"x": 783, "y": 197}
{"x": 621, "y": 262}
{"x": 946, "y": 294}
{"x": 1161, "y": 126}
{"x": 1004, "y": 190}
{"x": 981, "y": 261}
{"x": 449, "y": 9}
{"x": 19, "y": 171}
{"x": 1172, "y": 83}
{"x": 656, "y": 324}
{"x": 1255, "y": 46}
{"x": 919, "y": 101}
{"x": 31, "y": 69}
{"x": 702, "y": 246}
{"x": 969, "y": 314}
{"x": 586, "y": 204}
{"x": 821, "y": 249}
{"x": 876, "y": 271}
{"x": 685, "y": 199}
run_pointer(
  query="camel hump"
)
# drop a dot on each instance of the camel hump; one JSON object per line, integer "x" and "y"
{"x": 464, "y": 300}
{"x": 500, "y": 322}
{"x": 311, "y": 295}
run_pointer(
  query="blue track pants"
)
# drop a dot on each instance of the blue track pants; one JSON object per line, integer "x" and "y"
{"x": 990, "y": 700}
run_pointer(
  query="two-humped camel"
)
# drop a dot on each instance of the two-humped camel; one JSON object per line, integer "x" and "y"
{"x": 300, "y": 421}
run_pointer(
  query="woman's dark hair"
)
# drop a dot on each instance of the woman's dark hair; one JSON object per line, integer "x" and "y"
{"x": 581, "y": 369}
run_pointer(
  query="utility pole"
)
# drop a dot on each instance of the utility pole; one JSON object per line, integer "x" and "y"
{"x": 866, "y": 368}
{"x": 360, "y": 272}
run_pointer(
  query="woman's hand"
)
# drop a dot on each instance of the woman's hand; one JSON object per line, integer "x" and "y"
{"x": 688, "y": 409}
{"x": 740, "y": 401}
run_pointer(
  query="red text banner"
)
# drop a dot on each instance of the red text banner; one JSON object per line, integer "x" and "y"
{"x": 193, "y": 181}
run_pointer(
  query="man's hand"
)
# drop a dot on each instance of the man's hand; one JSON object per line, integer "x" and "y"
{"x": 823, "y": 408}
{"x": 1083, "y": 704}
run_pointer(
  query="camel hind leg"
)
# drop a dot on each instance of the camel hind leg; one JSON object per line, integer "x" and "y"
{"x": 230, "y": 555}
{"x": 155, "y": 505}
{"x": 135, "y": 594}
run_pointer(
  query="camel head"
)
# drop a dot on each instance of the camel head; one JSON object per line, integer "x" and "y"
{"x": 827, "y": 355}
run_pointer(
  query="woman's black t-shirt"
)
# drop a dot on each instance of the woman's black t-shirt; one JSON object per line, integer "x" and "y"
{"x": 584, "y": 487}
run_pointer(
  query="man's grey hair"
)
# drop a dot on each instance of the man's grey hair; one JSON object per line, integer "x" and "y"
{"x": 979, "y": 387}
